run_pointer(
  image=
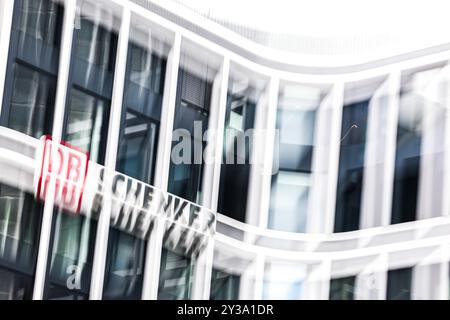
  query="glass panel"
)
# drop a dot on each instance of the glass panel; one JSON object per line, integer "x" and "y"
{"x": 176, "y": 276}
{"x": 31, "y": 109}
{"x": 243, "y": 96}
{"x": 124, "y": 266}
{"x": 351, "y": 166}
{"x": 191, "y": 120}
{"x": 87, "y": 123}
{"x": 15, "y": 286}
{"x": 90, "y": 83}
{"x": 342, "y": 288}
{"x": 141, "y": 111}
{"x": 417, "y": 102}
{"x": 296, "y": 118}
{"x": 32, "y": 67}
{"x": 224, "y": 286}
{"x": 399, "y": 284}
{"x": 20, "y": 224}
{"x": 71, "y": 256}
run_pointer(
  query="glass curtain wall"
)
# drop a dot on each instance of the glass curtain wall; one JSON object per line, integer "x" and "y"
{"x": 86, "y": 127}
{"x": 296, "y": 116}
{"x": 32, "y": 67}
{"x": 141, "y": 115}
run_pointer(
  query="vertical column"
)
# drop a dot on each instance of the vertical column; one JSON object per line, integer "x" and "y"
{"x": 374, "y": 162}
{"x": 211, "y": 182}
{"x": 316, "y": 207}
{"x": 262, "y": 157}
{"x": 394, "y": 82}
{"x": 58, "y": 120}
{"x": 252, "y": 280}
{"x": 433, "y": 147}
{"x": 101, "y": 243}
{"x": 154, "y": 244}
{"x": 333, "y": 156}
{"x": 6, "y": 16}
{"x": 446, "y": 174}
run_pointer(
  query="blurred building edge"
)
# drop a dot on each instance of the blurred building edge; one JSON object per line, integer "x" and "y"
{"x": 339, "y": 192}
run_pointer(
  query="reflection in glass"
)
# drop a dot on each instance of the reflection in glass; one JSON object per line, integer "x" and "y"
{"x": 91, "y": 77}
{"x": 32, "y": 67}
{"x": 283, "y": 281}
{"x": 124, "y": 266}
{"x": 86, "y": 123}
{"x": 399, "y": 284}
{"x": 351, "y": 166}
{"x": 20, "y": 223}
{"x": 224, "y": 286}
{"x": 141, "y": 113}
{"x": 235, "y": 168}
{"x": 192, "y": 109}
{"x": 296, "y": 118}
{"x": 409, "y": 144}
{"x": 72, "y": 250}
{"x": 342, "y": 288}
{"x": 176, "y": 276}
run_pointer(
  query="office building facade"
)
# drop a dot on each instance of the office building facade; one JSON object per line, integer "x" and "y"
{"x": 339, "y": 191}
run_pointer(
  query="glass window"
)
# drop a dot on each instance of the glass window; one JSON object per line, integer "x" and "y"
{"x": 176, "y": 276}
{"x": 421, "y": 110}
{"x": 32, "y": 67}
{"x": 191, "y": 120}
{"x": 296, "y": 118}
{"x": 342, "y": 288}
{"x": 20, "y": 223}
{"x": 87, "y": 122}
{"x": 71, "y": 257}
{"x": 243, "y": 96}
{"x": 90, "y": 81}
{"x": 224, "y": 286}
{"x": 351, "y": 166}
{"x": 31, "y": 108}
{"x": 141, "y": 112}
{"x": 399, "y": 284}
{"x": 124, "y": 266}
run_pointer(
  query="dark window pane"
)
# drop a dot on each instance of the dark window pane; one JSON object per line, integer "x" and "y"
{"x": 20, "y": 225}
{"x": 124, "y": 266}
{"x": 176, "y": 276}
{"x": 15, "y": 286}
{"x": 141, "y": 113}
{"x": 224, "y": 286}
{"x": 193, "y": 101}
{"x": 407, "y": 158}
{"x": 32, "y": 67}
{"x": 71, "y": 256}
{"x": 342, "y": 288}
{"x": 399, "y": 284}
{"x": 235, "y": 168}
{"x": 351, "y": 166}
{"x": 31, "y": 108}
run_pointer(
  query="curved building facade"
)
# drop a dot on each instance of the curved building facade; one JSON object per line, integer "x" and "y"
{"x": 152, "y": 154}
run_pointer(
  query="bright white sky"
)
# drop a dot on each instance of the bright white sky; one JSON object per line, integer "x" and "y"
{"x": 335, "y": 17}
{"x": 423, "y": 19}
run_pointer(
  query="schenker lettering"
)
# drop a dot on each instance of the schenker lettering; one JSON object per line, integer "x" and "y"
{"x": 135, "y": 205}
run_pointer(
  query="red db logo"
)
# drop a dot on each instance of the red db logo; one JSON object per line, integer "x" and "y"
{"x": 68, "y": 166}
